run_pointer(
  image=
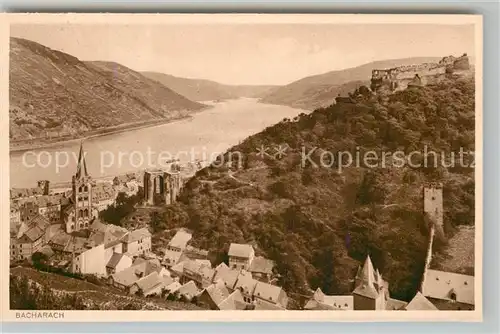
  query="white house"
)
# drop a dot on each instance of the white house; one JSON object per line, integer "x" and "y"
{"x": 90, "y": 261}
{"x": 137, "y": 242}
{"x": 179, "y": 241}
{"x": 240, "y": 256}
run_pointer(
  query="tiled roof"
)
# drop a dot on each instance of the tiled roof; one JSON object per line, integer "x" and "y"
{"x": 114, "y": 260}
{"x": 41, "y": 221}
{"x": 218, "y": 292}
{"x": 149, "y": 282}
{"x": 132, "y": 274}
{"x": 136, "y": 235}
{"x": 180, "y": 239}
{"x": 189, "y": 289}
{"x": 395, "y": 304}
{"x": 261, "y": 265}
{"x": 228, "y": 276}
{"x": 233, "y": 302}
{"x": 262, "y": 305}
{"x": 320, "y": 301}
{"x": 171, "y": 257}
{"x": 34, "y": 233}
{"x": 246, "y": 283}
{"x": 267, "y": 291}
{"x": 178, "y": 268}
{"x": 420, "y": 303}
{"x": 240, "y": 250}
{"x": 444, "y": 285}
{"x": 61, "y": 239}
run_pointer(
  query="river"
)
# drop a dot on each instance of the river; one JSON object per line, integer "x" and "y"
{"x": 202, "y": 136}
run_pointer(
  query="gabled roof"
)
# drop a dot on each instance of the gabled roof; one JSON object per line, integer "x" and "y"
{"x": 178, "y": 268}
{"x": 150, "y": 282}
{"x": 263, "y": 305}
{"x": 132, "y": 274}
{"x": 172, "y": 257}
{"x": 246, "y": 283}
{"x": 240, "y": 250}
{"x": 180, "y": 239}
{"x": 420, "y": 303}
{"x": 115, "y": 260}
{"x": 61, "y": 239}
{"x": 441, "y": 285}
{"x": 268, "y": 292}
{"x": 34, "y": 233}
{"x": 394, "y": 304}
{"x": 136, "y": 235}
{"x": 233, "y": 302}
{"x": 320, "y": 301}
{"x": 173, "y": 287}
{"x": 261, "y": 265}
{"x": 217, "y": 292}
{"x": 189, "y": 289}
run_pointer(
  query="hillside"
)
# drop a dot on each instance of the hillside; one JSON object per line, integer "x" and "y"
{"x": 318, "y": 224}
{"x": 321, "y": 90}
{"x": 206, "y": 90}
{"x": 53, "y": 94}
{"x": 35, "y": 290}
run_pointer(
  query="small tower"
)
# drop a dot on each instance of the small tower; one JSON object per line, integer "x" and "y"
{"x": 433, "y": 204}
{"x": 82, "y": 195}
{"x": 44, "y": 185}
{"x": 368, "y": 295}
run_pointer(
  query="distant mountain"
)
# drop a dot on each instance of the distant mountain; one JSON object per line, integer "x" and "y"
{"x": 207, "y": 90}
{"x": 53, "y": 94}
{"x": 320, "y": 90}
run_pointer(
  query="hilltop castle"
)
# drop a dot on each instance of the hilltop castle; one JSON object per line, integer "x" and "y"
{"x": 399, "y": 78}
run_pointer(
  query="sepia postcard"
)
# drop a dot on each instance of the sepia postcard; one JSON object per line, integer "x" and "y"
{"x": 241, "y": 167}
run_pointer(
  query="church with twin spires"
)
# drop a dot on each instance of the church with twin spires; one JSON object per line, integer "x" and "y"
{"x": 80, "y": 214}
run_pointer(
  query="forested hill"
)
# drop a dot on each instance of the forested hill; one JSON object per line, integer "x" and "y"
{"x": 318, "y": 224}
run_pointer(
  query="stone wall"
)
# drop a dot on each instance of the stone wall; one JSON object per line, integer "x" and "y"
{"x": 399, "y": 78}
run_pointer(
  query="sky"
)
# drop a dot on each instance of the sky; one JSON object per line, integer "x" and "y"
{"x": 268, "y": 54}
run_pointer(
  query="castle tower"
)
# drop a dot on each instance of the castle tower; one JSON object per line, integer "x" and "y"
{"x": 44, "y": 185}
{"x": 367, "y": 295}
{"x": 173, "y": 184}
{"x": 82, "y": 195}
{"x": 433, "y": 204}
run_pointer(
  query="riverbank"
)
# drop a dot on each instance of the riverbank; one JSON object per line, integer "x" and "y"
{"x": 30, "y": 144}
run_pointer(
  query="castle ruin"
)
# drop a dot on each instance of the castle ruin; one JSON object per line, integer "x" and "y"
{"x": 162, "y": 187}
{"x": 402, "y": 77}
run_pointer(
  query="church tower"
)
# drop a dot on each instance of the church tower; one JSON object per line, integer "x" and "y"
{"x": 82, "y": 195}
{"x": 369, "y": 292}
